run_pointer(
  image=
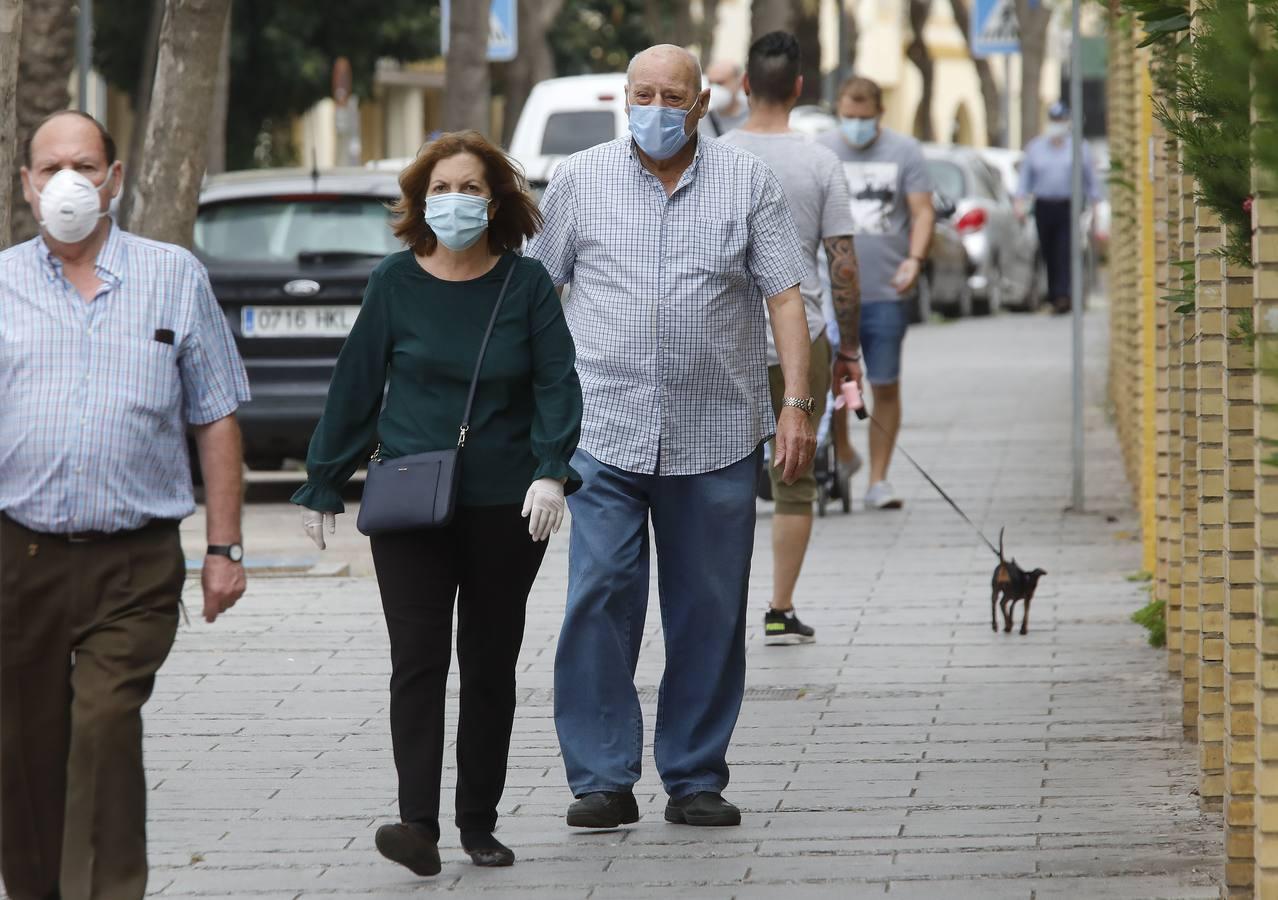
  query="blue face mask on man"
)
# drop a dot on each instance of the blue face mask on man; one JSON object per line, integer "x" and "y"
{"x": 660, "y": 130}
{"x": 458, "y": 220}
{"x": 859, "y": 132}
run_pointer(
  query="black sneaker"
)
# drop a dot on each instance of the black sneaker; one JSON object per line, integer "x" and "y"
{"x": 785, "y": 628}
{"x": 702, "y": 808}
{"x": 603, "y": 809}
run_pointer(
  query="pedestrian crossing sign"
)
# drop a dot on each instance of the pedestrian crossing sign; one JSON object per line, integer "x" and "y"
{"x": 995, "y": 28}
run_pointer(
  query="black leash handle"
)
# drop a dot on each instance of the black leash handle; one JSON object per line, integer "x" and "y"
{"x": 863, "y": 413}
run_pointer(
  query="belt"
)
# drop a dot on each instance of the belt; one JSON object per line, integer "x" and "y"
{"x": 91, "y": 537}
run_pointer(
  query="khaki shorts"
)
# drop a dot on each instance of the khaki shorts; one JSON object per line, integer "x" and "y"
{"x": 796, "y": 499}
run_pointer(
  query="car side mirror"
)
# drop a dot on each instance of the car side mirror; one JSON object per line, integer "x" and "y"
{"x": 944, "y": 206}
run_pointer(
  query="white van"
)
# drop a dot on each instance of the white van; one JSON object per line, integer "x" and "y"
{"x": 565, "y": 115}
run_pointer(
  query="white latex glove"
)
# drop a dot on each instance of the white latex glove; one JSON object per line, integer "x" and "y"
{"x": 313, "y": 523}
{"x": 544, "y": 507}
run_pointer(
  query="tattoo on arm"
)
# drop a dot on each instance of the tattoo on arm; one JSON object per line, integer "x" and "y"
{"x": 845, "y": 286}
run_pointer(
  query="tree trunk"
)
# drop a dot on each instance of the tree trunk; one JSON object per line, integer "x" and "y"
{"x": 46, "y": 56}
{"x": 989, "y": 88}
{"x": 709, "y": 19}
{"x": 10, "y": 32}
{"x": 534, "y": 63}
{"x": 1033, "y": 18}
{"x": 851, "y": 32}
{"x": 468, "y": 93}
{"x": 216, "y": 162}
{"x": 917, "y": 53}
{"x": 141, "y": 109}
{"x": 770, "y": 15}
{"x": 177, "y": 129}
{"x": 807, "y": 28}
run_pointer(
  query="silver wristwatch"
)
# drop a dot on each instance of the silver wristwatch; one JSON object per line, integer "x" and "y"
{"x": 807, "y": 404}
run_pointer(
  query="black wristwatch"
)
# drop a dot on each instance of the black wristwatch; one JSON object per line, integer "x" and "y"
{"x": 233, "y": 552}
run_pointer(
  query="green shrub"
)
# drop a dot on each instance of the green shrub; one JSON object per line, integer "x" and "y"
{"x": 1153, "y": 615}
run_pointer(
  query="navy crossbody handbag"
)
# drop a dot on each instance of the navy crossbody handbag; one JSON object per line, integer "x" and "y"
{"x": 420, "y": 490}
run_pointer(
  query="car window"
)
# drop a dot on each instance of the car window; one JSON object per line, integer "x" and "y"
{"x": 948, "y": 178}
{"x": 278, "y": 229}
{"x": 568, "y": 132}
{"x": 989, "y": 181}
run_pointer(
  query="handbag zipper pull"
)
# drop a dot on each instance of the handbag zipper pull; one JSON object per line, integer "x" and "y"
{"x": 461, "y": 436}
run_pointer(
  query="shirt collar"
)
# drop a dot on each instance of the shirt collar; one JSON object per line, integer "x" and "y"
{"x": 688, "y": 173}
{"x": 110, "y": 261}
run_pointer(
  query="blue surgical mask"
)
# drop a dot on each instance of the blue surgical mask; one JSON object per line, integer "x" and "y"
{"x": 458, "y": 220}
{"x": 859, "y": 132}
{"x": 659, "y": 130}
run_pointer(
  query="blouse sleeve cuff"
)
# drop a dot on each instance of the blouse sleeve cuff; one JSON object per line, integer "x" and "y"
{"x": 559, "y": 469}
{"x": 319, "y": 497}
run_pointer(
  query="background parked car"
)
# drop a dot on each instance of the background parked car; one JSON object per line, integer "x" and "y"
{"x": 1002, "y": 249}
{"x": 289, "y": 253}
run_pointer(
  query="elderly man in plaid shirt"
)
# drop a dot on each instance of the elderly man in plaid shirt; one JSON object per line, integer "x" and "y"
{"x": 675, "y": 246}
{"x": 110, "y": 346}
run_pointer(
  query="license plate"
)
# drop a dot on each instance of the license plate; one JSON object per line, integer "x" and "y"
{"x": 297, "y": 321}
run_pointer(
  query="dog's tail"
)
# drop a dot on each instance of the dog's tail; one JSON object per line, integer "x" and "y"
{"x": 1000, "y": 545}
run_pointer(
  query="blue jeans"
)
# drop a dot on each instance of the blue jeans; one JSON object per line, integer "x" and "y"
{"x": 704, "y": 529}
{"x": 883, "y": 325}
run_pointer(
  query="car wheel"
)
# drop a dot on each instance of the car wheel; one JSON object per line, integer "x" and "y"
{"x": 965, "y": 301}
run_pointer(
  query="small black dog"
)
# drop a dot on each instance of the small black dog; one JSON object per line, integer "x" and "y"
{"x": 1015, "y": 584}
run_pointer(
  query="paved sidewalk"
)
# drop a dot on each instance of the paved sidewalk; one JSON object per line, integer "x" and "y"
{"x": 910, "y": 753}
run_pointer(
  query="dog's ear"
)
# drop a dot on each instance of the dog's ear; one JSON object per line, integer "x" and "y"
{"x": 1039, "y": 572}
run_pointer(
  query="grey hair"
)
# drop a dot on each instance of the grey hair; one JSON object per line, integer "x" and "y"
{"x": 667, "y": 48}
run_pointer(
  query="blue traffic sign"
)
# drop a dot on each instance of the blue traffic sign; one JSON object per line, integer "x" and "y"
{"x": 503, "y": 29}
{"x": 995, "y": 28}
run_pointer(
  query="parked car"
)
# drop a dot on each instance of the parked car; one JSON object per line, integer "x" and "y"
{"x": 1002, "y": 248}
{"x": 289, "y": 253}
{"x": 565, "y": 115}
{"x": 944, "y": 286}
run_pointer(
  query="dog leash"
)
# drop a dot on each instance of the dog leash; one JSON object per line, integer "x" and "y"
{"x": 862, "y": 413}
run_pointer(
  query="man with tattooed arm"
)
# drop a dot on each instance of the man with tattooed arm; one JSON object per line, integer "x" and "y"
{"x": 816, "y": 188}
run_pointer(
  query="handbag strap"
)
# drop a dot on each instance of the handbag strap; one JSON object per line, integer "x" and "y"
{"x": 479, "y": 363}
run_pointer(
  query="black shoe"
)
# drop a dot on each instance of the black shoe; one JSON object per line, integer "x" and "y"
{"x": 604, "y": 809}
{"x": 485, "y": 850}
{"x": 409, "y": 846}
{"x": 785, "y": 628}
{"x": 703, "y": 808}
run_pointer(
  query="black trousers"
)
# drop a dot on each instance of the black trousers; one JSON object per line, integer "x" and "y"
{"x": 1053, "y": 221}
{"x": 485, "y": 559}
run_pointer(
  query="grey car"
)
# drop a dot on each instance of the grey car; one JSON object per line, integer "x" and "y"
{"x": 1001, "y": 247}
{"x": 289, "y": 253}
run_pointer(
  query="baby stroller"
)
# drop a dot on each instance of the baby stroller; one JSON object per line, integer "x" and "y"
{"x": 833, "y": 478}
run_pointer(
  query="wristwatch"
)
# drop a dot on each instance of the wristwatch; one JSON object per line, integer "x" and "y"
{"x": 233, "y": 552}
{"x": 848, "y": 357}
{"x": 807, "y": 404}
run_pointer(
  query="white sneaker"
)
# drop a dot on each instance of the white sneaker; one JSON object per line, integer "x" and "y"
{"x": 881, "y": 496}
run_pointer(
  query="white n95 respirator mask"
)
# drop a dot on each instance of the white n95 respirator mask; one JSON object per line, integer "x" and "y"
{"x": 70, "y": 206}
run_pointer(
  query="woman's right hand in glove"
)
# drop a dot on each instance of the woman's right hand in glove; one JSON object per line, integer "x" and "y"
{"x": 314, "y": 523}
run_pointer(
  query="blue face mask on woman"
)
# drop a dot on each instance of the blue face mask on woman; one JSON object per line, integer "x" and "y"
{"x": 659, "y": 130}
{"x": 859, "y": 132}
{"x": 458, "y": 220}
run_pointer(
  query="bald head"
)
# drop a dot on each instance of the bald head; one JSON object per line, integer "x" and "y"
{"x": 71, "y": 125}
{"x": 665, "y": 64}
{"x": 724, "y": 72}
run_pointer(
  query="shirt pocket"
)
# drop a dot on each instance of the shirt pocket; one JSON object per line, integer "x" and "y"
{"x": 716, "y": 247}
{"x": 151, "y": 379}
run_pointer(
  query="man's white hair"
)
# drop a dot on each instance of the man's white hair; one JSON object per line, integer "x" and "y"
{"x": 667, "y": 50}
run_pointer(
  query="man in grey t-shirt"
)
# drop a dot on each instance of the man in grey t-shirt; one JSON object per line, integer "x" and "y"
{"x": 893, "y": 216}
{"x": 817, "y": 193}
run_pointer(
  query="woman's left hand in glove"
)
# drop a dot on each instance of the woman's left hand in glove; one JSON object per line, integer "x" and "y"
{"x": 544, "y": 507}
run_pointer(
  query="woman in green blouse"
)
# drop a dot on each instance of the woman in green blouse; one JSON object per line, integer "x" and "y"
{"x": 463, "y": 214}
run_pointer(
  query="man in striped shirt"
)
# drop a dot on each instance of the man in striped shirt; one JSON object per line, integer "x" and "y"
{"x": 110, "y": 346}
{"x": 672, "y": 245}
